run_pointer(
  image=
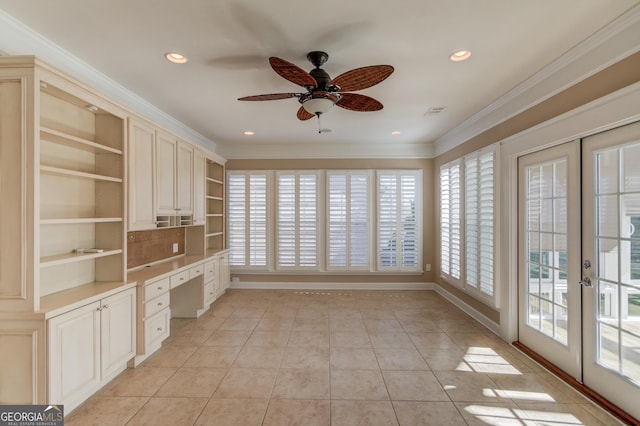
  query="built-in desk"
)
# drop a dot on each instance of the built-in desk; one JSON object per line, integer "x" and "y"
{"x": 182, "y": 287}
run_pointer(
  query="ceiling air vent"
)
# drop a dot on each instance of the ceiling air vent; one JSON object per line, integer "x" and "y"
{"x": 435, "y": 110}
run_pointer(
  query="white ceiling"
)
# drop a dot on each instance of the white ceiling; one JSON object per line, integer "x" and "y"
{"x": 228, "y": 44}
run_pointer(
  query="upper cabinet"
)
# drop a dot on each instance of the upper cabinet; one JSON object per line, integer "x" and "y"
{"x": 142, "y": 138}
{"x": 173, "y": 181}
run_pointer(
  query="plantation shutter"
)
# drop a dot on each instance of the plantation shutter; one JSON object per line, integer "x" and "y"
{"x": 247, "y": 219}
{"x": 398, "y": 206}
{"x": 348, "y": 220}
{"x": 297, "y": 224}
{"x": 450, "y": 225}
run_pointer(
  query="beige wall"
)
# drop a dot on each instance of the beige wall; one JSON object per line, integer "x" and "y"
{"x": 426, "y": 165}
{"x": 610, "y": 79}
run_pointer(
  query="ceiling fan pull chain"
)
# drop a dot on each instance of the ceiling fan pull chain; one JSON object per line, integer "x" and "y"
{"x": 319, "y": 123}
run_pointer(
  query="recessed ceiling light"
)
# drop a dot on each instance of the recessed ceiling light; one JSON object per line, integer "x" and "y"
{"x": 396, "y": 132}
{"x": 176, "y": 58}
{"x": 249, "y": 133}
{"x": 460, "y": 55}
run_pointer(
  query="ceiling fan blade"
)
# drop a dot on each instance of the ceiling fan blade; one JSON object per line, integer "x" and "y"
{"x": 270, "y": 97}
{"x": 361, "y": 78}
{"x": 304, "y": 115}
{"x": 356, "y": 102}
{"x": 292, "y": 72}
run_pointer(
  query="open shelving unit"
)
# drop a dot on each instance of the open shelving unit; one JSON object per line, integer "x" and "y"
{"x": 215, "y": 238}
{"x": 81, "y": 194}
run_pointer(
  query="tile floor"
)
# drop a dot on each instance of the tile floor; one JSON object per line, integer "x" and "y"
{"x": 289, "y": 357}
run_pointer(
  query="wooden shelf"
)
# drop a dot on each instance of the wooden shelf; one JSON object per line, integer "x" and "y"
{"x": 80, "y": 220}
{"x": 212, "y": 197}
{"x": 74, "y": 173}
{"x": 214, "y": 234}
{"x": 74, "y": 141}
{"x": 63, "y": 259}
{"x": 214, "y": 180}
{"x": 215, "y": 215}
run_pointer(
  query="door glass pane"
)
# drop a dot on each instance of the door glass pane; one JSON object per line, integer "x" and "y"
{"x": 546, "y": 230}
{"x": 618, "y": 251}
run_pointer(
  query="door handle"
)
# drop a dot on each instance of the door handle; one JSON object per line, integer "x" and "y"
{"x": 586, "y": 282}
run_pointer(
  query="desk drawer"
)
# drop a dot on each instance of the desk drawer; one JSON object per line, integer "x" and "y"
{"x": 195, "y": 271}
{"x": 156, "y": 305}
{"x": 179, "y": 278}
{"x": 156, "y": 288}
{"x": 209, "y": 293}
{"x": 209, "y": 271}
{"x": 156, "y": 328}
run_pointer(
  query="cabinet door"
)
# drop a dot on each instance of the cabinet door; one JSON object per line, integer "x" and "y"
{"x": 118, "y": 337}
{"x": 74, "y": 354}
{"x": 184, "y": 182}
{"x": 198, "y": 187}
{"x": 165, "y": 171}
{"x": 223, "y": 272}
{"x": 141, "y": 152}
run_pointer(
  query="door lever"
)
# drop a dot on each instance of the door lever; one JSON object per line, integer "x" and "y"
{"x": 586, "y": 282}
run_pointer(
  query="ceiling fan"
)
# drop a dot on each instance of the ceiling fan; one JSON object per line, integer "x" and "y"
{"x": 322, "y": 91}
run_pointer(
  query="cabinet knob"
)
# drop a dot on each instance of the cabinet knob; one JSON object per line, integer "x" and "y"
{"x": 159, "y": 328}
{"x": 159, "y": 303}
{"x": 106, "y": 306}
{"x": 159, "y": 288}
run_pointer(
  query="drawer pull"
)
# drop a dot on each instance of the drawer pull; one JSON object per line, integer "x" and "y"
{"x": 159, "y": 288}
{"x": 159, "y": 303}
{"x": 159, "y": 328}
{"x": 181, "y": 278}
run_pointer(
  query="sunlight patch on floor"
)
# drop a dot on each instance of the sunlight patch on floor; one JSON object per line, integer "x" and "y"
{"x": 502, "y": 416}
{"x": 486, "y": 360}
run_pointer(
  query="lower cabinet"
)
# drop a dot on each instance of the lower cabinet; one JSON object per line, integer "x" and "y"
{"x": 88, "y": 346}
{"x": 223, "y": 273}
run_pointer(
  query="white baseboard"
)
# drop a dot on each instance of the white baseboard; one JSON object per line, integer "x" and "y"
{"x": 330, "y": 286}
{"x": 471, "y": 311}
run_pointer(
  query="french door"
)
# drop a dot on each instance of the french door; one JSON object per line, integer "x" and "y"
{"x": 579, "y": 250}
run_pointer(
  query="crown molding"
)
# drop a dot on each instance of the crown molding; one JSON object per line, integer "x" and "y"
{"x": 605, "y": 47}
{"x": 18, "y": 39}
{"x": 325, "y": 150}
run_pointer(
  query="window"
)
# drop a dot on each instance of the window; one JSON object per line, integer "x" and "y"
{"x": 479, "y": 221}
{"x": 467, "y": 222}
{"x": 399, "y": 235}
{"x": 247, "y": 219}
{"x": 297, "y": 223}
{"x": 450, "y": 220}
{"x": 348, "y": 220}
{"x": 324, "y": 220}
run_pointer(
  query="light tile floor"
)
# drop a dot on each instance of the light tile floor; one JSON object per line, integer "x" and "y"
{"x": 267, "y": 357}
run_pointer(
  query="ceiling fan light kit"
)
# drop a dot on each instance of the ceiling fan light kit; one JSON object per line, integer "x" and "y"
{"x": 322, "y": 91}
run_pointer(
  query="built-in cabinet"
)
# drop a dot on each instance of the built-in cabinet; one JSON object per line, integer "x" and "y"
{"x": 173, "y": 181}
{"x": 63, "y": 153}
{"x": 77, "y": 173}
{"x": 215, "y": 206}
{"x": 142, "y": 140}
{"x": 89, "y": 345}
